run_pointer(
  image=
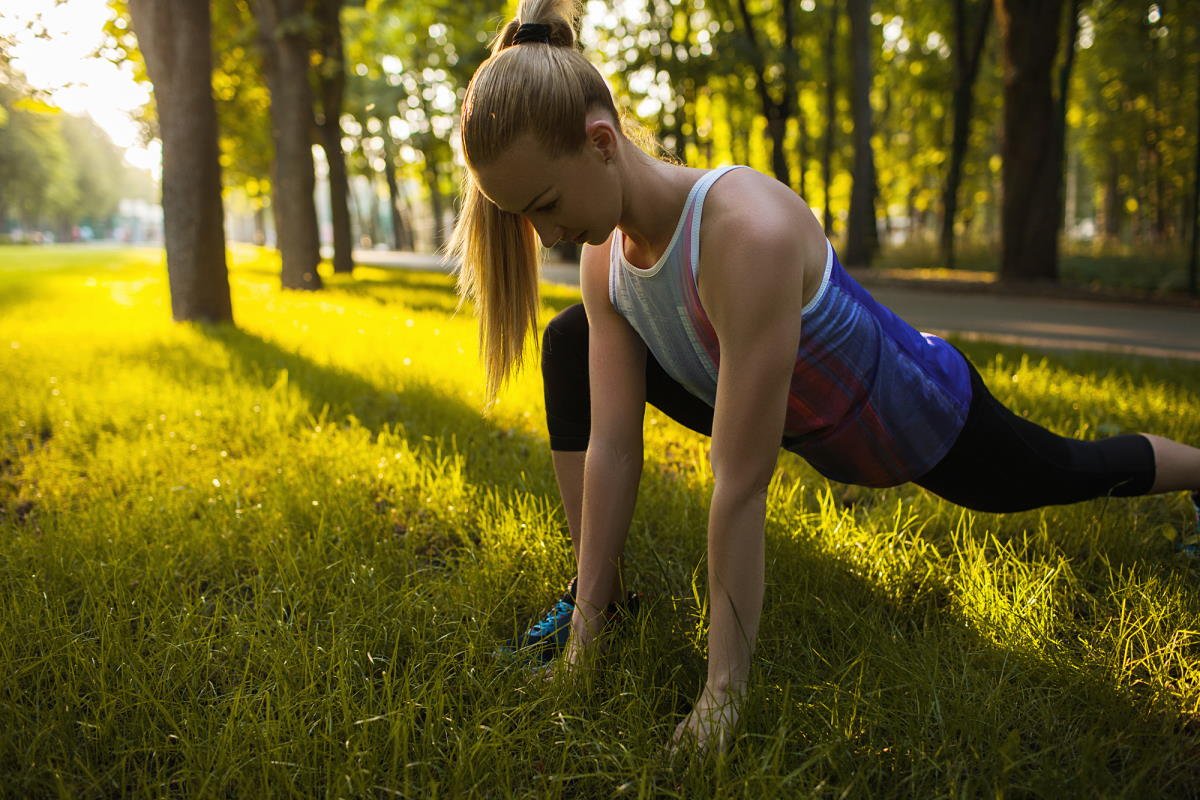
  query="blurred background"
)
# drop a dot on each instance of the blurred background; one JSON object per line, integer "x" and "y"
{"x": 905, "y": 100}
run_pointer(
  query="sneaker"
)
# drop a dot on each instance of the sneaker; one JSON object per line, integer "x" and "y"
{"x": 1188, "y": 543}
{"x": 547, "y": 637}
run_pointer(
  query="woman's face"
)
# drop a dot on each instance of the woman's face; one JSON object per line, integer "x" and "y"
{"x": 575, "y": 197}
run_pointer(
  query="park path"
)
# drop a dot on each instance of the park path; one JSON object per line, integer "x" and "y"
{"x": 1047, "y": 323}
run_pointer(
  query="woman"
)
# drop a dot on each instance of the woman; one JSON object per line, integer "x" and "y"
{"x": 716, "y": 297}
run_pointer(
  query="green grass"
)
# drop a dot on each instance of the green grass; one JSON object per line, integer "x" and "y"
{"x": 276, "y": 561}
{"x": 1161, "y": 269}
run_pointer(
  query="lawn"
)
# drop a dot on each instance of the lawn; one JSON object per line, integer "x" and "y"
{"x": 277, "y": 559}
{"x": 1161, "y": 270}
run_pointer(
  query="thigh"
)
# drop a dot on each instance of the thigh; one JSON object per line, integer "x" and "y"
{"x": 1002, "y": 462}
{"x": 567, "y": 393}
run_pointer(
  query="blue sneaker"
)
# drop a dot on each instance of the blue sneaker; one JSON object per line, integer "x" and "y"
{"x": 547, "y": 637}
{"x": 1188, "y": 543}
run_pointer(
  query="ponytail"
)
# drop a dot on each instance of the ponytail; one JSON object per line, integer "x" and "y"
{"x": 546, "y": 88}
{"x": 498, "y": 257}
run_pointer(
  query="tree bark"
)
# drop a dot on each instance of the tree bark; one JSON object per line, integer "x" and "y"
{"x": 285, "y": 51}
{"x": 830, "y": 113}
{"x": 176, "y": 41}
{"x": 967, "y": 56}
{"x": 862, "y": 233}
{"x": 436, "y": 203}
{"x": 777, "y": 112}
{"x": 400, "y": 237}
{"x": 1194, "y": 222}
{"x": 1064, "y": 90}
{"x": 1030, "y": 31}
{"x": 1111, "y": 209}
{"x": 332, "y": 82}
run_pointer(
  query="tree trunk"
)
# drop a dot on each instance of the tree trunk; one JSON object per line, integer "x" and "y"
{"x": 1030, "y": 31}
{"x": 286, "y": 60}
{"x": 1111, "y": 228}
{"x": 1060, "y": 129}
{"x": 862, "y": 233}
{"x": 176, "y": 42}
{"x": 830, "y": 113}
{"x": 777, "y": 112}
{"x": 400, "y": 237}
{"x": 967, "y": 56}
{"x": 260, "y": 225}
{"x": 737, "y": 144}
{"x": 332, "y": 80}
{"x": 1194, "y": 257}
{"x": 436, "y": 203}
{"x": 802, "y": 149}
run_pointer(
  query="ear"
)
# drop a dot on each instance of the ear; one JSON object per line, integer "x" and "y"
{"x": 601, "y": 137}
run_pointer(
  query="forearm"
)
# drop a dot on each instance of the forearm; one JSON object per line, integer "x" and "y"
{"x": 735, "y": 585}
{"x": 610, "y": 484}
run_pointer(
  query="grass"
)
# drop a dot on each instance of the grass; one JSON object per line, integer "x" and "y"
{"x": 276, "y": 560}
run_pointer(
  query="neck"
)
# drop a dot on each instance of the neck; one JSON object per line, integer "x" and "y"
{"x": 653, "y": 195}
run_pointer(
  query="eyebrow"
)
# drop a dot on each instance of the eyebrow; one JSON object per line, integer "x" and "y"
{"x": 534, "y": 200}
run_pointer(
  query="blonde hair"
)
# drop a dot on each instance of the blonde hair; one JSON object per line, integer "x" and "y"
{"x": 545, "y": 90}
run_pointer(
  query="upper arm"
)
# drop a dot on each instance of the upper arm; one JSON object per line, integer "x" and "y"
{"x": 753, "y": 287}
{"x": 616, "y": 358}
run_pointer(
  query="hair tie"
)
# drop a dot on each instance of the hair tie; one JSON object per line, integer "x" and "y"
{"x": 532, "y": 32}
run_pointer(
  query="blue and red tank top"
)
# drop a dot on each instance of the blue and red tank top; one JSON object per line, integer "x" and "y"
{"x": 872, "y": 400}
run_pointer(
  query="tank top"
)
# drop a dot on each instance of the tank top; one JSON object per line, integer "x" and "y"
{"x": 872, "y": 401}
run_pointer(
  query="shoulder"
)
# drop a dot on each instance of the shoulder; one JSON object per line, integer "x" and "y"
{"x": 755, "y": 229}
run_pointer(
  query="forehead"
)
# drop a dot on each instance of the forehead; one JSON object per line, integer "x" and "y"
{"x": 520, "y": 174}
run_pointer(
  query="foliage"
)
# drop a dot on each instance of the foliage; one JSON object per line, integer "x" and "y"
{"x": 56, "y": 170}
{"x": 683, "y": 69}
{"x": 276, "y": 561}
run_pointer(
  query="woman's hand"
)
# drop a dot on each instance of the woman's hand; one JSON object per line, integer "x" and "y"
{"x": 711, "y": 723}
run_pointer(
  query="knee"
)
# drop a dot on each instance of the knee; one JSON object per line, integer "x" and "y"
{"x": 565, "y": 339}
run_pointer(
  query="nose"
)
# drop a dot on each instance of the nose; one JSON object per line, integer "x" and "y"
{"x": 549, "y": 234}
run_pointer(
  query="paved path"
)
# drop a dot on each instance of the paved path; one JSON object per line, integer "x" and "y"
{"x": 1028, "y": 321}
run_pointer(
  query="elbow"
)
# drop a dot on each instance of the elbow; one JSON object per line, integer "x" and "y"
{"x": 741, "y": 486}
{"x": 624, "y": 454}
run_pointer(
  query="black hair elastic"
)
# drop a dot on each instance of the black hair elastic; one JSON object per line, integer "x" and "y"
{"x": 532, "y": 32}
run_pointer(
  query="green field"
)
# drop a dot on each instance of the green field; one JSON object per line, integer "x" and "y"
{"x": 276, "y": 560}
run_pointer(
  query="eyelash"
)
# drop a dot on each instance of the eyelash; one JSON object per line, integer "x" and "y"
{"x": 548, "y": 207}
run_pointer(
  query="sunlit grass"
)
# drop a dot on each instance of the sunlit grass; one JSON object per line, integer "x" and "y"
{"x": 1159, "y": 269}
{"x": 277, "y": 559}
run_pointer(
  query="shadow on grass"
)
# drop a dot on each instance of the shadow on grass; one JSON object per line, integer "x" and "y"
{"x": 496, "y": 456}
{"x": 435, "y": 291}
{"x": 863, "y": 687}
{"x": 15, "y": 293}
{"x": 827, "y": 652}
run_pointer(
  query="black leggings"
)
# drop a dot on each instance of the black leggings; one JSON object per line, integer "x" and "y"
{"x": 1000, "y": 462}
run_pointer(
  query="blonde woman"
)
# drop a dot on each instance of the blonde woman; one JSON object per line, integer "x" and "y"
{"x": 715, "y": 296}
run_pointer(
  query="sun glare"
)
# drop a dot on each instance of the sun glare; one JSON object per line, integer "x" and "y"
{"x": 64, "y": 63}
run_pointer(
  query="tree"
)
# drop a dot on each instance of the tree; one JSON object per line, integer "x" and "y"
{"x": 1030, "y": 31}
{"x": 830, "y": 53}
{"x": 778, "y": 112}
{"x": 175, "y": 40}
{"x": 331, "y": 83}
{"x": 420, "y": 57}
{"x": 1194, "y": 218}
{"x": 284, "y": 41}
{"x": 862, "y": 233}
{"x": 968, "y": 53}
{"x": 1060, "y": 114}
